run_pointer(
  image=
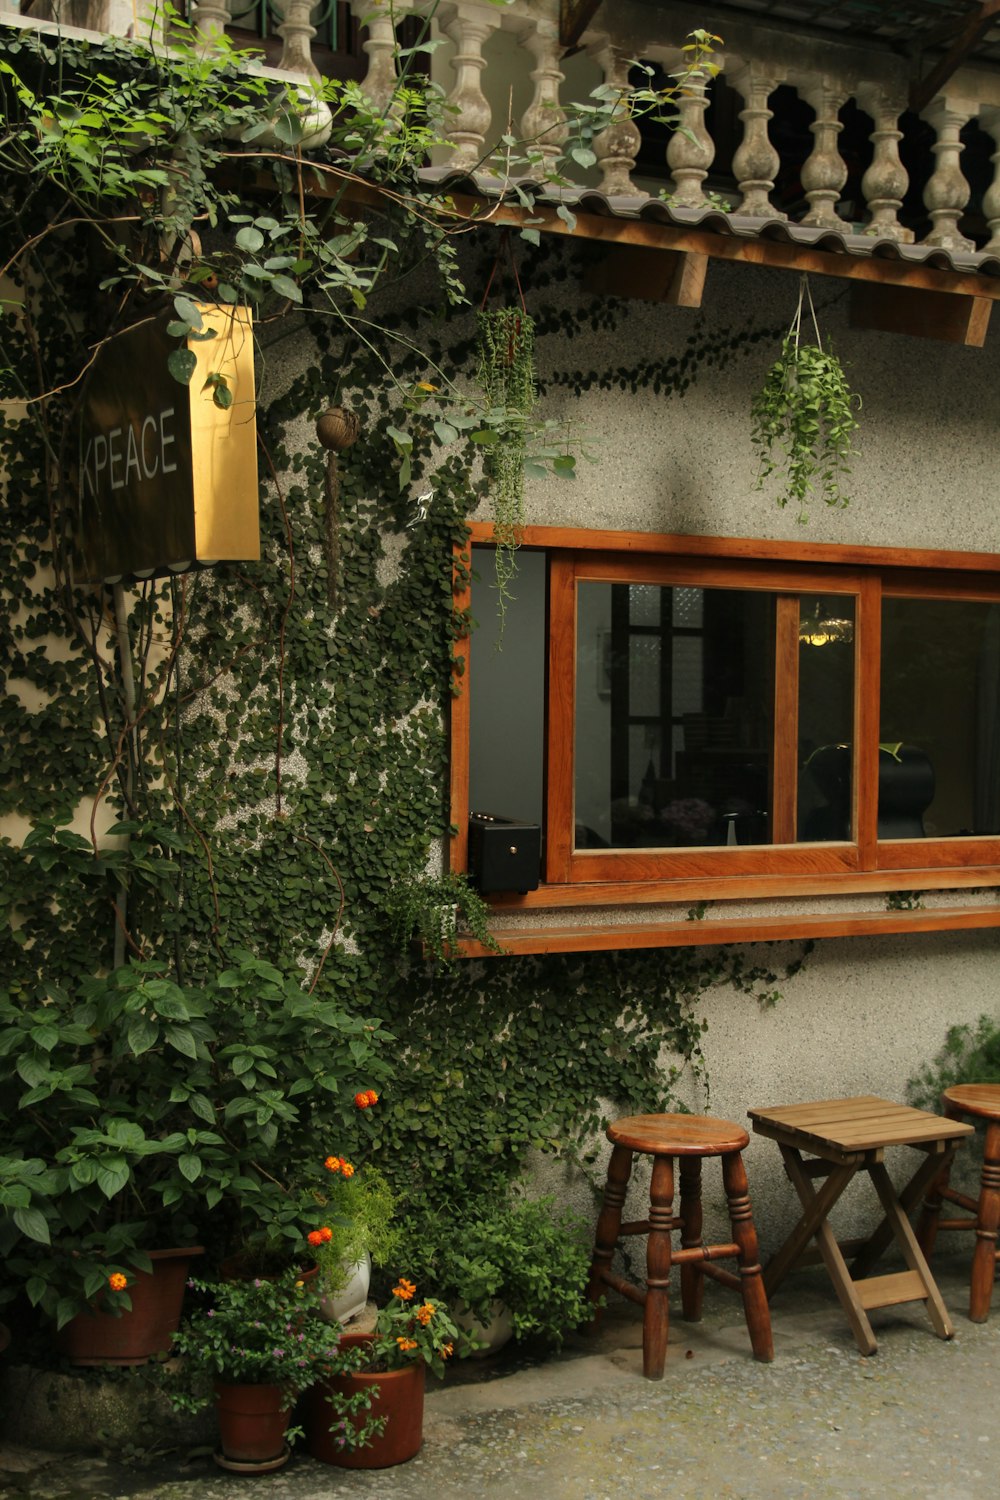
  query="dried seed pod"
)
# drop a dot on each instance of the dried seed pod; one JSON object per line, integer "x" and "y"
{"x": 338, "y": 428}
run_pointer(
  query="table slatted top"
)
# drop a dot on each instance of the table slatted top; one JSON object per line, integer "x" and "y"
{"x": 863, "y": 1124}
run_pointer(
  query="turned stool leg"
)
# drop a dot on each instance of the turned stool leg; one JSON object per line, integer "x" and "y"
{"x": 608, "y": 1224}
{"x": 987, "y": 1223}
{"x": 927, "y": 1224}
{"x": 656, "y": 1322}
{"x": 755, "y": 1306}
{"x": 692, "y": 1275}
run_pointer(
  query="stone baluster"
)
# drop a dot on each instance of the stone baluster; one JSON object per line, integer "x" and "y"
{"x": 989, "y": 119}
{"x": 947, "y": 191}
{"x": 296, "y": 32}
{"x": 380, "y": 45}
{"x": 543, "y": 124}
{"x": 617, "y": 146}
{"x": 209, "y": 18}
{"x": 468, "y": 26}
{"x": 886, "y": 180}
{"x": 691, "y": 150}
{"x": 755, "y": 162}
{"x": 824, "y": 173}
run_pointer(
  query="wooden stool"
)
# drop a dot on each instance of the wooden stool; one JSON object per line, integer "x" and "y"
{"x": 982, "y": 1102}
{"x": 690, "y": 1137}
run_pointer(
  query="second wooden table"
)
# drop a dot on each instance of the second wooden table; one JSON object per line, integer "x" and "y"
{"x": 834, "y": 1139}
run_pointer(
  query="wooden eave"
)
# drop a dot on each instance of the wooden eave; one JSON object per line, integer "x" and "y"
{"x": 891, "y": 293}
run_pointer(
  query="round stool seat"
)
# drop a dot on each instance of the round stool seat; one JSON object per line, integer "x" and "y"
{"x": 679, "y": 1135}
{"x": 982, "y": 1099}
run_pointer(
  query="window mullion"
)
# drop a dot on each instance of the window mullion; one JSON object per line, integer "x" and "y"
{"x": 560, "y": 766}
{"x": 867, "y": 668}
{"x": 785, "y": 743}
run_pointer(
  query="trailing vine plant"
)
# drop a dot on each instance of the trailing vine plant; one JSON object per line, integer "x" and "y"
{"x": 803, "y": 419}
{"x": 506, "y": 374}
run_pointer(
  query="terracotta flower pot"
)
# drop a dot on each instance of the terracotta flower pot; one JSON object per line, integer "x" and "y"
{"x": 253, "y": 1420}
{"x": 398, "y": 1396}
{"x": 133, "y": 1338}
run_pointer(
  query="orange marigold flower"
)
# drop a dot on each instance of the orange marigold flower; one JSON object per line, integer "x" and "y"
{"x": 405, "y": 1344}
{"x": 426, "y": 1312}
{"x": 364, "y": 1099}
{"x": 326, "y": 1234}
{"x": 347, "y": 1169}
{"x": 333, "y": 1164}
{"x": 404, "y": 1289}
{"x": 372, "y": 1097}
{"x": 315, "y": 1236}
{"x": 117, "y": 1282}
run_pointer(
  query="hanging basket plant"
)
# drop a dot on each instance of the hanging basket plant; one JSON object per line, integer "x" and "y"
{"x": 804, "y": 419}
{"x": 506, "y": 376}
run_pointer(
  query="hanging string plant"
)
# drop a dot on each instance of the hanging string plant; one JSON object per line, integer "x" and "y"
{"x": 506, "y": 376}
{"x": 803, "y": 419}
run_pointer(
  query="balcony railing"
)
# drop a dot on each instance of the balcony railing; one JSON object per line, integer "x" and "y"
{"x": 795, "y": 127}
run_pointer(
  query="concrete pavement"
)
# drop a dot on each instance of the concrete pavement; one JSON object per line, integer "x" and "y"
{"x": 918, "y": 1419}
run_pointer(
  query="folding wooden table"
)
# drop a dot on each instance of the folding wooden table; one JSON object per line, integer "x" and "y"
{"x": 834, "y": 1139}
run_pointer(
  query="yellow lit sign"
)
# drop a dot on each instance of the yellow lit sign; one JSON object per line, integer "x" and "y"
{"x": 167, "y": 478}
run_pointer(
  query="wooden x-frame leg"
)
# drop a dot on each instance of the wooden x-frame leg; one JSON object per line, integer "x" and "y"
{"x": 858, "y": 1294}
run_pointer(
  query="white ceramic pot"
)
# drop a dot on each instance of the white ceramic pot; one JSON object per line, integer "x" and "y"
{"x": 340, "y": 1307}
{"x": 495, "y": 1334}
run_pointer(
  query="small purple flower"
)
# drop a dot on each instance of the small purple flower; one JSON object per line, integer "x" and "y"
{"x": 210, "y": 1313}
{"x": 258, "y": 1283}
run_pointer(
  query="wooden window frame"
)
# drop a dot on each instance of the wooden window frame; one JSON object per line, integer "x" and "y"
{"x": 574, "y": 877}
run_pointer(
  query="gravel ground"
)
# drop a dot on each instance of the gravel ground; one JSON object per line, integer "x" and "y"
{"x": 918, "y": 1419}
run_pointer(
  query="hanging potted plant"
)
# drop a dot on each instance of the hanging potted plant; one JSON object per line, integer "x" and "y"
{"x": 803, "y": 419}
{"x": 410, "y": 1336}
{"x": 506, "y": 376}
{"x": 250, "y": 1349}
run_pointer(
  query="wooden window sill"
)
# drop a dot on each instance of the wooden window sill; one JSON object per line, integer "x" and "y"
{"x": 710, "y": 931}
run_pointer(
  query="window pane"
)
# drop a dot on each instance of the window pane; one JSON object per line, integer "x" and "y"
{"x": 644, "y": 675}
{"x": 826, "y": 717}
{"x": 507, "y": 688}
{"x": 939, "y": 760}
{"x": 644, "y": 604}
{"x": 673, "y": 731}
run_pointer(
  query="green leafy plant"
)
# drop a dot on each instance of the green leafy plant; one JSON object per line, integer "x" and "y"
{"x": 969, "y": 1054}
{"x": 358, "y": 1209}
{"x": 431, "y": 910}
{"x": 523, "y": 1252}
{"x": 143, "y": 1112}
{"x": 803, "y": 421}
{"x": 260, "y": 1332}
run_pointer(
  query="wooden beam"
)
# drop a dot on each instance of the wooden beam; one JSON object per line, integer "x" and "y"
{"x": 636, "y": 272}
{"x": 574, "y": 18}
{"x": 924, "y": 314}
{"x": 922, "y": 91}
{"x": 610, "y": 230}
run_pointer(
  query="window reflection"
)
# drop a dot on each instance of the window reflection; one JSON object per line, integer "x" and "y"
{"x": 939, "y": 771}
{"x": 674, "y": 711}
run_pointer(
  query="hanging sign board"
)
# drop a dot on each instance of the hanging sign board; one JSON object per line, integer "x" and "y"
{"x": 167, "y": 478}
